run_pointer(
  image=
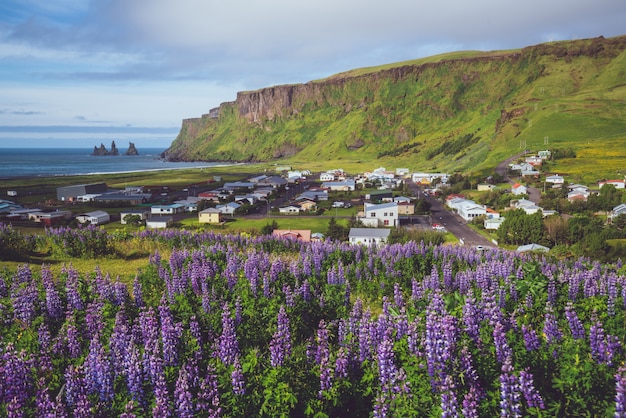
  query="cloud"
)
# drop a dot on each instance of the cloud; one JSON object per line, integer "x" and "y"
{"x": 156, "y": 62}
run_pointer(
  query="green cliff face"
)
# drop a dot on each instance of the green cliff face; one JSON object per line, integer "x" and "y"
{"x": 458, "y": 112}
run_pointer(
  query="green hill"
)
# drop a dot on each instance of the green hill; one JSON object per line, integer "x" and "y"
{"x": 463, "y": 111}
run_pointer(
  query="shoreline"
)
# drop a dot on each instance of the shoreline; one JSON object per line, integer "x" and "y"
{"x": 105, "y": 173}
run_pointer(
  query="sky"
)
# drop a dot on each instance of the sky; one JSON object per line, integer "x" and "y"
{"x": 81, "y": 72}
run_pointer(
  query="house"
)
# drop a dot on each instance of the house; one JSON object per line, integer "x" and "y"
{"x": 619, "y": 184}
{"x": 469, "y": 210}
{"x": 519, "y": 189}
{"x": 534, "y": 160}
{"x": 493, "y": 223}
{"x": 316, "y": 195}
{"x": 54, "y": 218}
{"x": 272, "y": 181}
{"x": 578, "y": 195}
{"x": 368, "y": 236}
{"x": 618, "y": 210}
{"x": 384, "y": 214}
{"x": 295, "y": 234}
{"x": 289, "y": 209}
{"x": 126, "y": 198}
{"x": 70, "y": 193}
{"x": 428, "y": 178}
{"x": 402, "y": 172}
{"x": 340, "y": 186}
{"x": 210, "y": 216}
{"x": 228, "y": 208}
{"x": 96, "y": 217}
{"x": 485, "y": 187}
{"x": 159, "y": 222}
{"x": 306, "y": 205}
{"x": 212, "y": 195}
{"x": 529, "y": 173}
{"x": 555, "y": 179}
{"x": 327, "y": 177}
{"x": 379, "y": 196}
{"x": 142, "y": 213}
{"x": 492, "y": 214}
{"x": 544, "y": 154}
{"x": 167, "y": 209}
{"x": 406, "y": 208}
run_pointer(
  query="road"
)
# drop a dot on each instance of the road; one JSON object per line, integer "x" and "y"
{"x": 451, "y": 221}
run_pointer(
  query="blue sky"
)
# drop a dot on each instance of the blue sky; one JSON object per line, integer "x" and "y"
{"x": 76, "y": 70}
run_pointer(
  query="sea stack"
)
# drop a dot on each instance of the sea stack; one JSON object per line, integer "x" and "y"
{"x": 99, "y": 151}
{"x": 131, "y": 149}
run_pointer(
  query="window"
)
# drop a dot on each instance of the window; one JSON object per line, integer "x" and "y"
{"x": 373, "y": 215}
{"x": 385, "y": 214}
{"x": 386, "y": 222}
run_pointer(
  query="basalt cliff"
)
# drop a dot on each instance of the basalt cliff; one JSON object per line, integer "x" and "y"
{"x": 452, "y": 111}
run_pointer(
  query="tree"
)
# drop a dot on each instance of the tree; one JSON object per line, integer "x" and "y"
{"x": 269, "y": 228}
{"x": 519, "y": 228}
{"x": 556, "y": 229}
{"x": 335, "y": 231}
{"x": 134, "y": 220}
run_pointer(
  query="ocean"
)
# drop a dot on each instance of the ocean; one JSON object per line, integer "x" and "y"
{"x": 50, "y": 162}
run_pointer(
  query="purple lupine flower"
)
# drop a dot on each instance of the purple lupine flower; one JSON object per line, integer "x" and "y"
{"x": 54, "y": 306}
{"x": 470, "y": 403}
{"x": 503, "y": 350}
{"x": 531, "y": 339}
{"x": 25, "y": 300}
{"x": 47, "y": 407}
{"x": 280, "y": 346}
{"x": 237, "y": 378}
{"x": 509, "y": 391}
{"x": 170, "y": 335}
{"x": 551, "y": 327}
{"x": 228, "y": 346}
{"x": 99, "y": 371}
{"x": 134, "y": 373}
{"x": 531, "y": 395}
{"x": 76, "y": 392}
{"x": 341, "y": 363}
{"x": 449, "y": 403}
{"x": 161, "y": 407}
{"x": 183, "y": 400}
{"x": 322, "y": 358}
{"x": 74, "y": 299}
{"x": 138, "y": 293}
{"x": 17, "y": 379}
{"x": 578, "y": 331}
{"x": 604, "y": 347}
{"x": 620, "y": 392}
{"x": 129, "y": 410}
{"x": 208, "y": 396}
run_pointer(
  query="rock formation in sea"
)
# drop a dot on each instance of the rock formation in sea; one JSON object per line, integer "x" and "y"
{"x": 131, "y": 149}
{"x": 99, "y": 151}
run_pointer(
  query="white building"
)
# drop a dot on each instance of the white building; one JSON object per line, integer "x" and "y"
{"x": 493, "y": 223}
{"x": 368, "y": 236}
{"x": 384, "y": 214}
{"x": 327, "y": 177}
{"x": 555, "y": 179}
{"x": 619, "y": 184}
{"x": 96, "y": 217}
{"x": 518, "y": 189}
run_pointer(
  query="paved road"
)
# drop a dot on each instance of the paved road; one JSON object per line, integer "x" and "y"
{"x": 451, "y": 221}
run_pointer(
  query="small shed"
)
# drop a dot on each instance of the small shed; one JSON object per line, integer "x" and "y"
{"x": 159, "y": 222}
{"x": 96, "y": 217}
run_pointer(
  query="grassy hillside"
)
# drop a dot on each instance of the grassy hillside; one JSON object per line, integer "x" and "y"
{"x": 464, "y": 111}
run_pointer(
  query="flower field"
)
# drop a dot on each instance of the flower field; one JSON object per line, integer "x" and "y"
{"x": 239, "y": 326}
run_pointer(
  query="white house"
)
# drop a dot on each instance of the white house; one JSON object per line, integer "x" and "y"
{"x": 555, "y": 179}
{"x": 228, "y": 208}
{"x": 619, "y": 184}
{"x": 368, "y": 236}
{"x": 469, "y": 210}
{"x": 518, "y": 189}
{"x": 493, "y": 223}
{"x": 290, "y": 209}
{"x": 384, "y": 214}
{"x": 167, "y": 209}
{"x": 327, "y": 177}
{"x": 96, "y": 217}
{"x": 342, "y": 186}
{"x": 618, "y": 210}
{"x": 159, "y": 222}
{"x": 532, "y": 247}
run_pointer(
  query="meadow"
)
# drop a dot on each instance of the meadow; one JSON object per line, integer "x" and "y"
{"x": 238, "y": 325}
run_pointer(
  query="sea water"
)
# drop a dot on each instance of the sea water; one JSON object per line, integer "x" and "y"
{"x": 50, "y": 162}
